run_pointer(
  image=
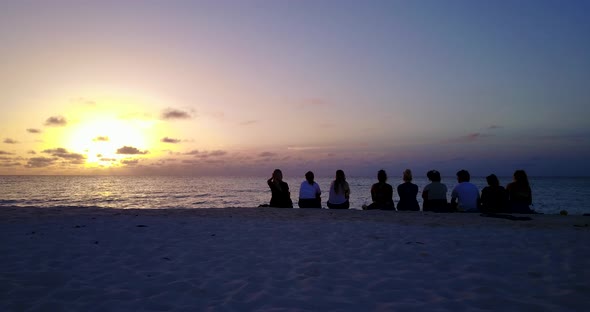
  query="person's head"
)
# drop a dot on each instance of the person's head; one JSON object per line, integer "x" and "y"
{"x": 407, "y": 175}
{"x": 309, "y": 177}
{"x": 340, "y": 175}
{"x": 463, "y": 176}
{"x": 277, "y": 175}
{"x": 493, "y": 180}
{"x": 381, "y": 176}
{"x": 433, "y": 176}
{"x": 521, "y": 177}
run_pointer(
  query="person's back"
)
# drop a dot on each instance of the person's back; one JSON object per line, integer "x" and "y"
{"x": 281, "y": 196}
{"x": 435, "y": 197}
{"x": 382, "y": 196}
{"x": 494, "y": 199}
{"x": 309, "y": 193}
{"x": 520, "y": 196}
{"x": 407, "y": 192}
{"x": 339, "y": 192}
{"x": 465, "y": 195}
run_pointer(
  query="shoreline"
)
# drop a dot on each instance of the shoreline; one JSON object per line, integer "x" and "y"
{"x": 246, "y": 259}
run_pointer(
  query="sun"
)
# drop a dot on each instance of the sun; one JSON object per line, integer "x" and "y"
{"x": 101, "y": 137}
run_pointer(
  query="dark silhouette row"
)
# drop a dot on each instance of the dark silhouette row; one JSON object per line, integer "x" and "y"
{"x": 465, "y": 197}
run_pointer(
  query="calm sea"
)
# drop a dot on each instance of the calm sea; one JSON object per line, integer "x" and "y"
{"x": 550, "y": 195}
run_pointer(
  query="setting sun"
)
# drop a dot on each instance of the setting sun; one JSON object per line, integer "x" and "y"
{"x": 99, "y": 139}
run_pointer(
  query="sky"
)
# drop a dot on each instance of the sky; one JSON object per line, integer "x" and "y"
{"x": 244, "y": 87}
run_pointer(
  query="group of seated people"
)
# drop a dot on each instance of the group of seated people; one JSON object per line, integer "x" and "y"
{"x": 465, "y": 197}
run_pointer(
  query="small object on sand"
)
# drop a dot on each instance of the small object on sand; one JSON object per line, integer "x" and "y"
{"x": 213, "y": 234}
{"x": 166, "y": 258}
{"x": 581, "y": 225}
{"x": 141, "y": 225}
{"x": 95, "y": 242}
{"x": 563, "y": 212}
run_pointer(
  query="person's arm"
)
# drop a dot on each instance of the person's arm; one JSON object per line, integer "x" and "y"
{"x": 530, "y": 197}
{"x": 318, "y": 191}
{"x": 425, "y": 194}
{"x": 454, "y": 196}
{"x": 346, "y": 191}
{"x": 373, "y": 193}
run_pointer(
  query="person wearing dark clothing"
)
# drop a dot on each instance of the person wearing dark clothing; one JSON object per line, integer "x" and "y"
{"x": 381, "y": 193}
{"x": 281, "y": 197}
{"x": 520, "y": 196}
{"x": 407, "y": 192}
{"x": 494, "y": 198}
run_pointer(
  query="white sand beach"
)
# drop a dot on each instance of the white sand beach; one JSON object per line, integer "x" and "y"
{"x": 264, "y": 259}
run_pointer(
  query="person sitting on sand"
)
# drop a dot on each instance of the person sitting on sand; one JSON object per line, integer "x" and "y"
{"x": 339, "y": 192}
{"x": 381, "y": 193}
{"x": 494, "y": 198}
{"x": 281, "y": 197}
{"x": 465, "y": 196}
{"x": 309, "y": 193}
{"x": 519, "y": 193}
{"x": 407, "y": 192}
{"x": 435, "y": 194}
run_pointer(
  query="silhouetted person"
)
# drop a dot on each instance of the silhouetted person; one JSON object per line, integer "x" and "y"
{"x": 381, "y": 193}
{"x": 407, "y": 192}
{"x": 281, "y": 197}
{"x": 309, "y": 193}
{"x": 465, "y": 195}
{"x": 339, "y": 192}
{"x": 494, "y": 198}
{"x": 520, "y": 196}
{"x": 435, "y": 194}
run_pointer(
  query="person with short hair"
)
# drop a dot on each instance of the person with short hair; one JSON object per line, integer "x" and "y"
{"x": 381, "y": 193}
{"x": 309, "y": 193}
{"x": 465, "y": 195}
{"x": 494, "y": 198}
{"x": 407, "y": 192}
{"x": 281, "y": 196}
{"x": 434, "y": 194}
{"x": 339, "y": 192}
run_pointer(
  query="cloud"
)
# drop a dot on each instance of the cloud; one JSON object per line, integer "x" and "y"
{"x": 171, "y": 114}
{"x": 10, "y": 141}
{"x": 193, "y": 152}
{"x": 267, "y": 154}
{"x": 249, "y": 122}
{"x": 471, "y": 137}
{"x": 32, "y": 152}
{"x": 57, "y": 121}
{"x": 492, "y": 127}
{"x": 129, "y": 150}
{"x": 216, "y": 153}
{"x": 40, "y": 162}
{"x": 169, "y": 140}
{"x": 101, "y": 139}
{"x": 108, "y": 159}
{"x": 10, "y": 164}
{"x": 130, "y": 162}
{"x": 6, "y": 153}
{"x": 83, "y": 101}
{"x": 33, "y": 130}
{"x": 61, "y": 152}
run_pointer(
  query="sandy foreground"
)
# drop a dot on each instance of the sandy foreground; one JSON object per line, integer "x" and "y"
{"x": 265, "y": 259}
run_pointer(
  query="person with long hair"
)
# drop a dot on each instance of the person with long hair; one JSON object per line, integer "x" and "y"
{"x": 407, "y": 192}
{"x": 434, "y": 194}
{"x": 281, "y": 196}
{"x": 381, "y": 193}
{"x": 494, "y": 198}
{"x": 520, "y": 196}
{"x": 309, "y": 193}
{"x": 339, "y": 192}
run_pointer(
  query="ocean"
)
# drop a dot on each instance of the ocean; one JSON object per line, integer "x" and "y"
{"x": 550, "y": 195}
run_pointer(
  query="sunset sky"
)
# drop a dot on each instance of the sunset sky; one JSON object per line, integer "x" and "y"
{"x": 243, "y": 87}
